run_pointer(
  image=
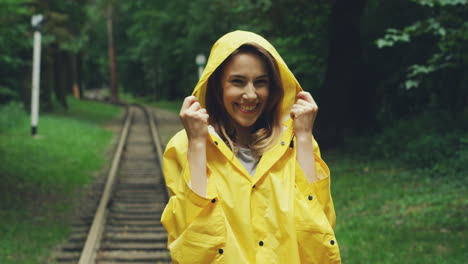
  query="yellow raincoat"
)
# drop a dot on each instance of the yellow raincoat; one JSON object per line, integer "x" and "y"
{"x": 274, "y": 216}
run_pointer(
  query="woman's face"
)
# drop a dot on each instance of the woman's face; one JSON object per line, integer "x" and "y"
{"x": 245, "y": 83}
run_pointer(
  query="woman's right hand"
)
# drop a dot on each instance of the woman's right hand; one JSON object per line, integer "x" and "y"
{"x": 195, "y": 119}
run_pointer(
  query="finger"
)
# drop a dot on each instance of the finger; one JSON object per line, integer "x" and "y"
{"x": 295, "y": 110}
{"x": 296, "y": 106}
{"x": 312, "y": 105}
{"x": 301, "y": 105}
{"x": 203, "y": 111}
{"x": 194, "y": 107}
{"x": 301, "y": 95}
{"x": 188, "y": 101}
{"x": 296, "y": 113}
{"x": 205, "y": 117}
{"x": 305, "y": 96}
{"x": 302, "y": 102}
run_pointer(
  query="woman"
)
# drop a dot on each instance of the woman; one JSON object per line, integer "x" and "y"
{"x": 246, "y": 179}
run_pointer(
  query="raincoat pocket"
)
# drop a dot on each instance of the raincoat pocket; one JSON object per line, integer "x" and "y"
{"x": 203, "y": 240}
{"x": 315, "y": 236}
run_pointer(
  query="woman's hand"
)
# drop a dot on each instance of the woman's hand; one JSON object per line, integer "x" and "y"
{"x": 195, "y": 119}
{"x": 304, "y": 112}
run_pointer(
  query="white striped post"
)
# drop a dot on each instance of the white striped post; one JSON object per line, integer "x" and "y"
{"x": 200, "y": 60}
{"x": 36, "y": 22}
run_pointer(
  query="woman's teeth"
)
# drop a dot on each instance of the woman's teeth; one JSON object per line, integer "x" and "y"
{"x": 248, "y": 108}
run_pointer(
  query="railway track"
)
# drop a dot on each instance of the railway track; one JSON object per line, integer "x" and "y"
{"x": 126, "y": 227}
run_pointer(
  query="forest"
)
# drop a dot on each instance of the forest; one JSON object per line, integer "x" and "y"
{"x": 390, "y": 77}
{"x": 368, "y": 63}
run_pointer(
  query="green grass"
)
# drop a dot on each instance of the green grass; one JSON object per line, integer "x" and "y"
{"x": 40, "y": 177}
{"x": 389, "y": 214}
{"x": 173, "y": 106}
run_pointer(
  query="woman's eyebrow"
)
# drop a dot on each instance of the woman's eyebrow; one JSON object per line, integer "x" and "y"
{"x": 237, "y": 76}
{"x": 244, "y": 77}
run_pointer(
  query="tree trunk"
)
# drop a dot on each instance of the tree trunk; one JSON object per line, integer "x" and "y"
{"x": 47, "y": 79}
{"x": 112, "y": 63}
{"x": 343, "y": 99}
{"x": 59, "y": 76}
{"x": 79, "y": 72}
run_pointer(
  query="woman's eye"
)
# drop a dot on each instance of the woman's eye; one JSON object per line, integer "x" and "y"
{"x": 237, "y": 82}
{"x": 261, "y": 82}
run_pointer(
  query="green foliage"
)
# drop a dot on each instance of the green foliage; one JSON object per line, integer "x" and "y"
{"x": 432, "y": 142}
{"x": 432, "y": 3}
{"x": 88, "y": 111}
{"x": 158, "y": 40}
{"x": 446, "y": 27}
{"x": 7, "y": 95}
{"x": 14, "y": 35}
{"x": 40, "y": 176}
{"x": 401, "y": 194}
{"x": 173, "y": 106}
{"x": 64, "y": 36}
{"x": 392, "y": 36}
{"x": 12, "y": 114}
{"x": 387, "y": 213}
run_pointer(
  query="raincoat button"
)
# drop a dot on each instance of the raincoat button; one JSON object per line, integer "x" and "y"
{"x": 213, "y": 201}
{"x": 221, "y": 251}
{"x": 260, "y": 243}
{"x": 282, "y": 143}
{"x": 253, "y": 186}
{"x": 310, "y": 197}
{"x": 332, "y": 242}
{"x": 216, "y": 143}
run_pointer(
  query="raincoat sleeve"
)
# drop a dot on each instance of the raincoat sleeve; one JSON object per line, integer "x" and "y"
{"x": 184, "y": 204}
{"x": 320, "y": 189}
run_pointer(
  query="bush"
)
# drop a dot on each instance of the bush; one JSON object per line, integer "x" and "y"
{"x": 7, "y": 95}
{"x": 431, "y": 141}
{"x": 456, "y": 162}
{"x": 11, "y": 115}
{"x": 427, "y": 150}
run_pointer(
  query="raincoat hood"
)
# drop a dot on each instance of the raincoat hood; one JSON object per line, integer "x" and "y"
{"x": 230, "y": 42}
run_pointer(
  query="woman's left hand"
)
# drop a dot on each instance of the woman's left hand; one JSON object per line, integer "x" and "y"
{"x": 304, "y": 112}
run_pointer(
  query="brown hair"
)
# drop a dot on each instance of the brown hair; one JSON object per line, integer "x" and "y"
{"x": 268, "y": 126}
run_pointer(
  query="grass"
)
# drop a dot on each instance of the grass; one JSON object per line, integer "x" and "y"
{"x": 173, "y": 105}
{"x": 389, "y": 214}
{"x": 40, "y": 177}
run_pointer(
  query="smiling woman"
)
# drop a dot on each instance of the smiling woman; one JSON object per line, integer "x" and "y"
{"x": 246, "y": 179}
{"x": 242, "y": 99}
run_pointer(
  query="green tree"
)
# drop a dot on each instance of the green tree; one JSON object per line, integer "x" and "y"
{"x": 16, "y": 49}
{"x": 439, "y": 77}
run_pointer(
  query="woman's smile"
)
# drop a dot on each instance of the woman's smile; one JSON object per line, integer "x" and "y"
{"x": 247, "y": 108}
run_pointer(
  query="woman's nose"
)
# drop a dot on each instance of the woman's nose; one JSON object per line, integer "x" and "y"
{"x": 249, "y": 92}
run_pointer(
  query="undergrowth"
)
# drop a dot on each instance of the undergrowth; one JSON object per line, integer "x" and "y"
{"x": 40, "y": 176}
{"x": 400, "y": 195}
